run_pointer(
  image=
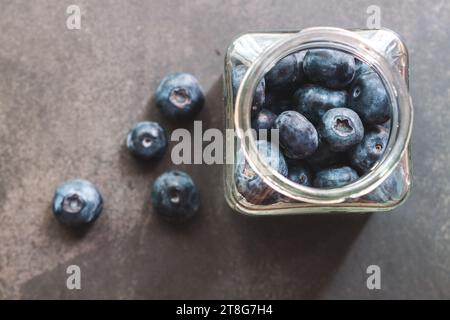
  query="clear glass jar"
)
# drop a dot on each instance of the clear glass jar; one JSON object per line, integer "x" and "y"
{"x": 386, "y": 54}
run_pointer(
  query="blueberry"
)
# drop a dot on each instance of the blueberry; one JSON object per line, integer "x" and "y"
{"x": 147, "y": 140}
{"x": 367, "y": 153}
{"x": 298, "y": 137}
{"x": 341, "y": 128}
{"x": 300, "y": 173}
{"x": 250, "y": 185}
{"x": 390, "y": 189}
{"x": 284, "y": 74}
{"x": 179, "y": 96}
{"x": 323, "y": 157}
{"x": 77, "y": 202}
{"x": 175, "y": 197}
{"x": 300, "y": 56}
{"x": 331, "y": 68}
{"x": 313, "y": 101}
{"x": 361, "y": 68}
{"x": 259, "y": 97}
{"x": 277, "y": 104}
{"x": 264, "y": 121}
{"x": 335, "y": 177}
{"x": 368, "y": 97}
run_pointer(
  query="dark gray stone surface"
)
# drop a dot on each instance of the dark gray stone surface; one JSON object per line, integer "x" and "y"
{"x": 67, "y": 99}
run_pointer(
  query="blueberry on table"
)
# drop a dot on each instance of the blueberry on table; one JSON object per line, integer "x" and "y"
{"x": 264, "y": 121}
{"x": 333, "y": 69}
{"x": 175, "y": 197}
{"x": 259, "y": 96}
{"x": 369, "y": 98}
{"x": 283, "y": 74}
{"x": 249, "y": 184}
{"x": 341, "y": 128}
{"x": 179, "y": 96}
{"x": 313, "y": 101}
{"x": 300, "y": 173}
{"x": 147, "y": 140}
{"x": 335, "y": 177}
{"x": 367, "y": 153}
{"x": 298, "y": 137}
{"x": 77, "y": 202}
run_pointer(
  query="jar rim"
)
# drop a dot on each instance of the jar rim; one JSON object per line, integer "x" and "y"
{"x": 401, "y": 113}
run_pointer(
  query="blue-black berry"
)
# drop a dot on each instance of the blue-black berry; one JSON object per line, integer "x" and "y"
{"x": 175, "y": 197}
{"x": 147, "y": 140}
{"x": 179, "y": 96}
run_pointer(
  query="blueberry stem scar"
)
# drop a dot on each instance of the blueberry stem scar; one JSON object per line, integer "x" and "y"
{"x": 73, "y": 203}
{"x": 174, "y": 195}
{"x": 343, "y": 125}
{"x": 180, "y": 97}
{"x": 146, "y": 142}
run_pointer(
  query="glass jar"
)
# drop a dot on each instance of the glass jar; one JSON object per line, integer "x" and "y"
{"x": 388, "y": 183}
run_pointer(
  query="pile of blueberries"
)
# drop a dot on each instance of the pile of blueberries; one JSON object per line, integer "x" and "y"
{"x": 174, "y": 195}
{"x": 332, "y": 113}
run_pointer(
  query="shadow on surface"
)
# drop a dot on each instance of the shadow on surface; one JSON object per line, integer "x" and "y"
{"x": 247, "y": 258}
{"x": 220, "y": 254}
{"x": 67, "y": 234}
{"x": 303, "y": 252}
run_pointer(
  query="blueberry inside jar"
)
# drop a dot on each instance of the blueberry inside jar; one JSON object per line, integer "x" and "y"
{"x": 342, "y": 130}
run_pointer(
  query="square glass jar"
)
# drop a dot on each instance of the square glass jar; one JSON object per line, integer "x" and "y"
{"x": 386, "y": 186}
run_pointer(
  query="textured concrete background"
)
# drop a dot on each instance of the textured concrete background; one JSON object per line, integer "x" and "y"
{"x": 67, "y": 99}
